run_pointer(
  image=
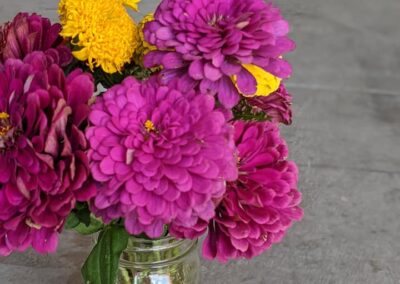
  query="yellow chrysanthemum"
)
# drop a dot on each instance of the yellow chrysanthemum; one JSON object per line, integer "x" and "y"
{"x": 102, "y": 30}
{"x": 266, "y": 82}
{"x": 143, "y": 47}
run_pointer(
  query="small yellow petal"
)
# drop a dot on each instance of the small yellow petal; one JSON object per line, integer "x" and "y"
{"x": 266, "y": 82}
{"x": 82, "y": 54}
{"x": 133, "y": 4}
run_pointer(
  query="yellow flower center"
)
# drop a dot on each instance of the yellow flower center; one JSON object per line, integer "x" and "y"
{"x": 149, "y": 125}
{"x": 266, "y": 82}
{"x": 4, "y": 115}
{"x": 4, "y": 124}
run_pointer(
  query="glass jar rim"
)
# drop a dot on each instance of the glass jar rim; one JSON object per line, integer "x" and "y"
{"x": 166, "y": 242}
{"x": 150, "y": 246}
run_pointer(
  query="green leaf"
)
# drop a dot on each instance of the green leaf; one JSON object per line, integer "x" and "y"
{"x": 72, "y": 221}
{"x": 245, "y": 111}
{"x": 101, "y": 267}
{"x": 81, "y": 206}
{"x": 83, "y": 215}
{"x": 94, "y": 226}
{"x": 82, "y": 221}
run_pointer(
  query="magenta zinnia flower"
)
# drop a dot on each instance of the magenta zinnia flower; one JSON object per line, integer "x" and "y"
{"x": 225, "y": 47}
{"x": 27, "y": 33}
{"x": 43, "y": 165}
{"x": 162, "y": 156}
{"x": 262, "y": 204}
{"x": 277, "y": 106}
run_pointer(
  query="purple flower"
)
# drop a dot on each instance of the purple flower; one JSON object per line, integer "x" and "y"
{"x": 161, "y": 156}
{"x": 277, "y": 106}
{"x": 43, "y": 165}
{"x": 262, "y": 204}
{"x": 28, "y": 33}
{"x": 224, "y": 47}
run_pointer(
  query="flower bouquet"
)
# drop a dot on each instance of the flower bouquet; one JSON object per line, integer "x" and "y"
{"x": 147, "y": 136}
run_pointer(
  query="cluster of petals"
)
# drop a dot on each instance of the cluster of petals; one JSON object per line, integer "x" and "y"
{"x": 44, "y": 169}
{"x": 27, "y": 33}
{"x": 223, "y": 47}
{"x": 160, "y": 155}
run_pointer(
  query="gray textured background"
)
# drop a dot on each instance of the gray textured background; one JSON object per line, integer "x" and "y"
{"x": 346, "y": 139}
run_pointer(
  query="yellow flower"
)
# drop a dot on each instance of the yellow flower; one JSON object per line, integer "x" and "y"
{"x": 266, "y": 82}
{"x": 143, "y": 47}
{"x": 103, "y": 32}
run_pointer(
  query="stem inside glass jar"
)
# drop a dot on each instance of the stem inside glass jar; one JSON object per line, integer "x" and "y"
{"x": 163, "y": 261}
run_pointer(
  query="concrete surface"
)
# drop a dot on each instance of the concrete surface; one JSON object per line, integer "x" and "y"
{"x": 346, "y": 139}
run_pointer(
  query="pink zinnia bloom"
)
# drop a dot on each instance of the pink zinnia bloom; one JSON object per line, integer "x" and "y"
{"x": 161, "y": 156}
{"x": 27, "y": 33}
{"x": 262, "y": 204}
{"x": 43, "y": 165}
{"x": 209, "y": 42}
{"x": 277, "y": 106}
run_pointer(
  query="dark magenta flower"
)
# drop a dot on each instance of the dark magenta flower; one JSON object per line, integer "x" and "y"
{"x": 43, "y": 165}
{"x": 224, "y": 47}
{"x": 260, "y": 206}
{"x": 27, "y": 33}
{"x": 277, "y": 106}
{"x": 161, "y": 155}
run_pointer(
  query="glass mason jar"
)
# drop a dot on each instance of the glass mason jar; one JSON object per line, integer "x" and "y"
{"x": 162, "y": 261}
